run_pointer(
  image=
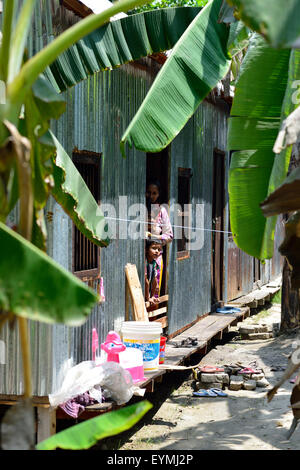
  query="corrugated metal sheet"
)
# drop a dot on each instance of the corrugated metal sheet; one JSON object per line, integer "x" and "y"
{"x": 98, "y": 111}
{"x": 189, "y": 279}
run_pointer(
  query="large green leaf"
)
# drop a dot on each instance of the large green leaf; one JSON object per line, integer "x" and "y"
{"x": 73, "y": 195}
{"x": 87, "y": 433}
{"x": 276, "y": 20}
{"x": 120, "y": 42}
{"x": 198, "y": 61}
{"x": 284, "y": 199}
{"x": 262, "y": 101}
{"x": 32, "y": 285}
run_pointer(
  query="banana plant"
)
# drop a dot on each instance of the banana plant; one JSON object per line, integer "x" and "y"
{"x": 197, "y": 62}
{"x": 278, "y": 23}
{"x": 263, "y": 100}
{"x": 33, "y": 165}
{"x": 200, "y": 59}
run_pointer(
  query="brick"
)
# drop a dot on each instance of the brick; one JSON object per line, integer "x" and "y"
{"x": 220, "y": 377}
{"x": 262, "y": 383}
{"x": 249, "y": 384}
{"x": 236, "y": 383}
{"x": 247, "y": 329}
{"x": 254, "y": 336}
{"x": 257, "y": 376}
{"x": 207, "y": 385}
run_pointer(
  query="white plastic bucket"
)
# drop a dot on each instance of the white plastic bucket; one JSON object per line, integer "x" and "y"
{"x": 144, "y": 336}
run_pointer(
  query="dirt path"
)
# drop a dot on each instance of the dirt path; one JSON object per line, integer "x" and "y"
{"x": 242, "y": 421}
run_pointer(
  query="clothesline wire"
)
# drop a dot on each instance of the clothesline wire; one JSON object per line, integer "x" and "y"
{"x": 174, "y": 226}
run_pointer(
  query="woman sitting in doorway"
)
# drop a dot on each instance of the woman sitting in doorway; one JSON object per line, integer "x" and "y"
{"x": 159, "y": 226}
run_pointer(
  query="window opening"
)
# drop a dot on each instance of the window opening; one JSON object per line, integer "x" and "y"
{"x": 86, "y": 255}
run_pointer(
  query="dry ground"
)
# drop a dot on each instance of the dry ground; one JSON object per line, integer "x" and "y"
{"x": 242, "y": 421}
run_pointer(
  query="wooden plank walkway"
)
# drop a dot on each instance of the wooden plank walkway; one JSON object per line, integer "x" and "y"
{"x": 211, "y": 326}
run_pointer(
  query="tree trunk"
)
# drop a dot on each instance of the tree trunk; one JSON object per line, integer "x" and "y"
{"x": 290, "y": 302}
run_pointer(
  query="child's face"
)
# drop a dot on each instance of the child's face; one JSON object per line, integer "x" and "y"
{"x": 153, "y": 252}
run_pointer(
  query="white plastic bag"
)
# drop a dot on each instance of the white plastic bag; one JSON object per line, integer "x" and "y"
{"x": 114, "y": 381}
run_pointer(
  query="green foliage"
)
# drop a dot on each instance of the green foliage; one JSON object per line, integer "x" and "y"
{"x": 32, "y": 285}
{"x": 277, "y": 21}
{"x": 158, "y": 4}
{"x": 256, "y": 116}
{"x": 119, "y": 42}
{"x": 87, "y": 433}
{"x": 198, "y": 61}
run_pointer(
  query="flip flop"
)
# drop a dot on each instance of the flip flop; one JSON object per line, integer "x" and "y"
{"x": 228, "y": 309}
{"x": 211, "y": 369}
{"x": 232, "y": 368}
{"x": 249, "y": 370}
{"x": 204, "y": 393}
{"x": 219, "y": 392}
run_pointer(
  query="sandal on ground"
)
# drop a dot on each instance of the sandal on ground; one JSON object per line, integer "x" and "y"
{"x": 232, "y": 368}
{"x": 250, "y": 371}
{"x": 188, "y": 342}
{"x": 219, "y": 392}
{"x": 205, "y": 393}
{"x": 211, "y": 369}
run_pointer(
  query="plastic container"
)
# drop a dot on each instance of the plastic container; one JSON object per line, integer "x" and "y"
{"x": 132, "y": 360}
{"x": 146, "y": 337}
{"x": 162, "y": 349}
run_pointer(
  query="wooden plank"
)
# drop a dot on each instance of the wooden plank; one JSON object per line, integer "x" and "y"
{"x": 163, "y": 321}
{"x": 42, "y": 401}
{"x": 139, "y": 312}
{"x": 126, "y": 301}
{"x": 46, "y": 423}
{"x": 163, "y": 298}
{"x": 159, "y": 311}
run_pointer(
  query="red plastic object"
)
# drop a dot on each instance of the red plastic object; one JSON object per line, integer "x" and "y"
{"x": 211, "y": 369}
{"x": 162, "y": 349}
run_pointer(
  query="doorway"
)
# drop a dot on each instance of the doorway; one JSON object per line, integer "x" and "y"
{"x": 218, "y": 208}
{"x": 157, "y": 168}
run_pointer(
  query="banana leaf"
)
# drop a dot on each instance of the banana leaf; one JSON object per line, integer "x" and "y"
{"x": 262, "y": 101}
{"x": 119, "y": 42}
{"x": 284, "y": 199}
{"x": 197, "y": 62}
{"x": 71, "y": 192}
{"x": 34, "y": 286}
{"x": 277, "y": 21}
{"x": 86, "y": 434}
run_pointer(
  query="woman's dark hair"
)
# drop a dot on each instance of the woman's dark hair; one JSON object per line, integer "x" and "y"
{"x": 154, "y": 182}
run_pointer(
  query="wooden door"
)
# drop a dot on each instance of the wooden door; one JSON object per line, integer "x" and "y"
{"x": 218, "y": 207}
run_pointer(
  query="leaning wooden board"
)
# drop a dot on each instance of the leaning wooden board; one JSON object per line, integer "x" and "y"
{"x": 136, "y": 293}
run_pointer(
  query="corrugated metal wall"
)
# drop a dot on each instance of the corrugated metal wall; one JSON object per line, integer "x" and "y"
{"x": 98, "y": 111}
{"x": 189, "y": 279}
